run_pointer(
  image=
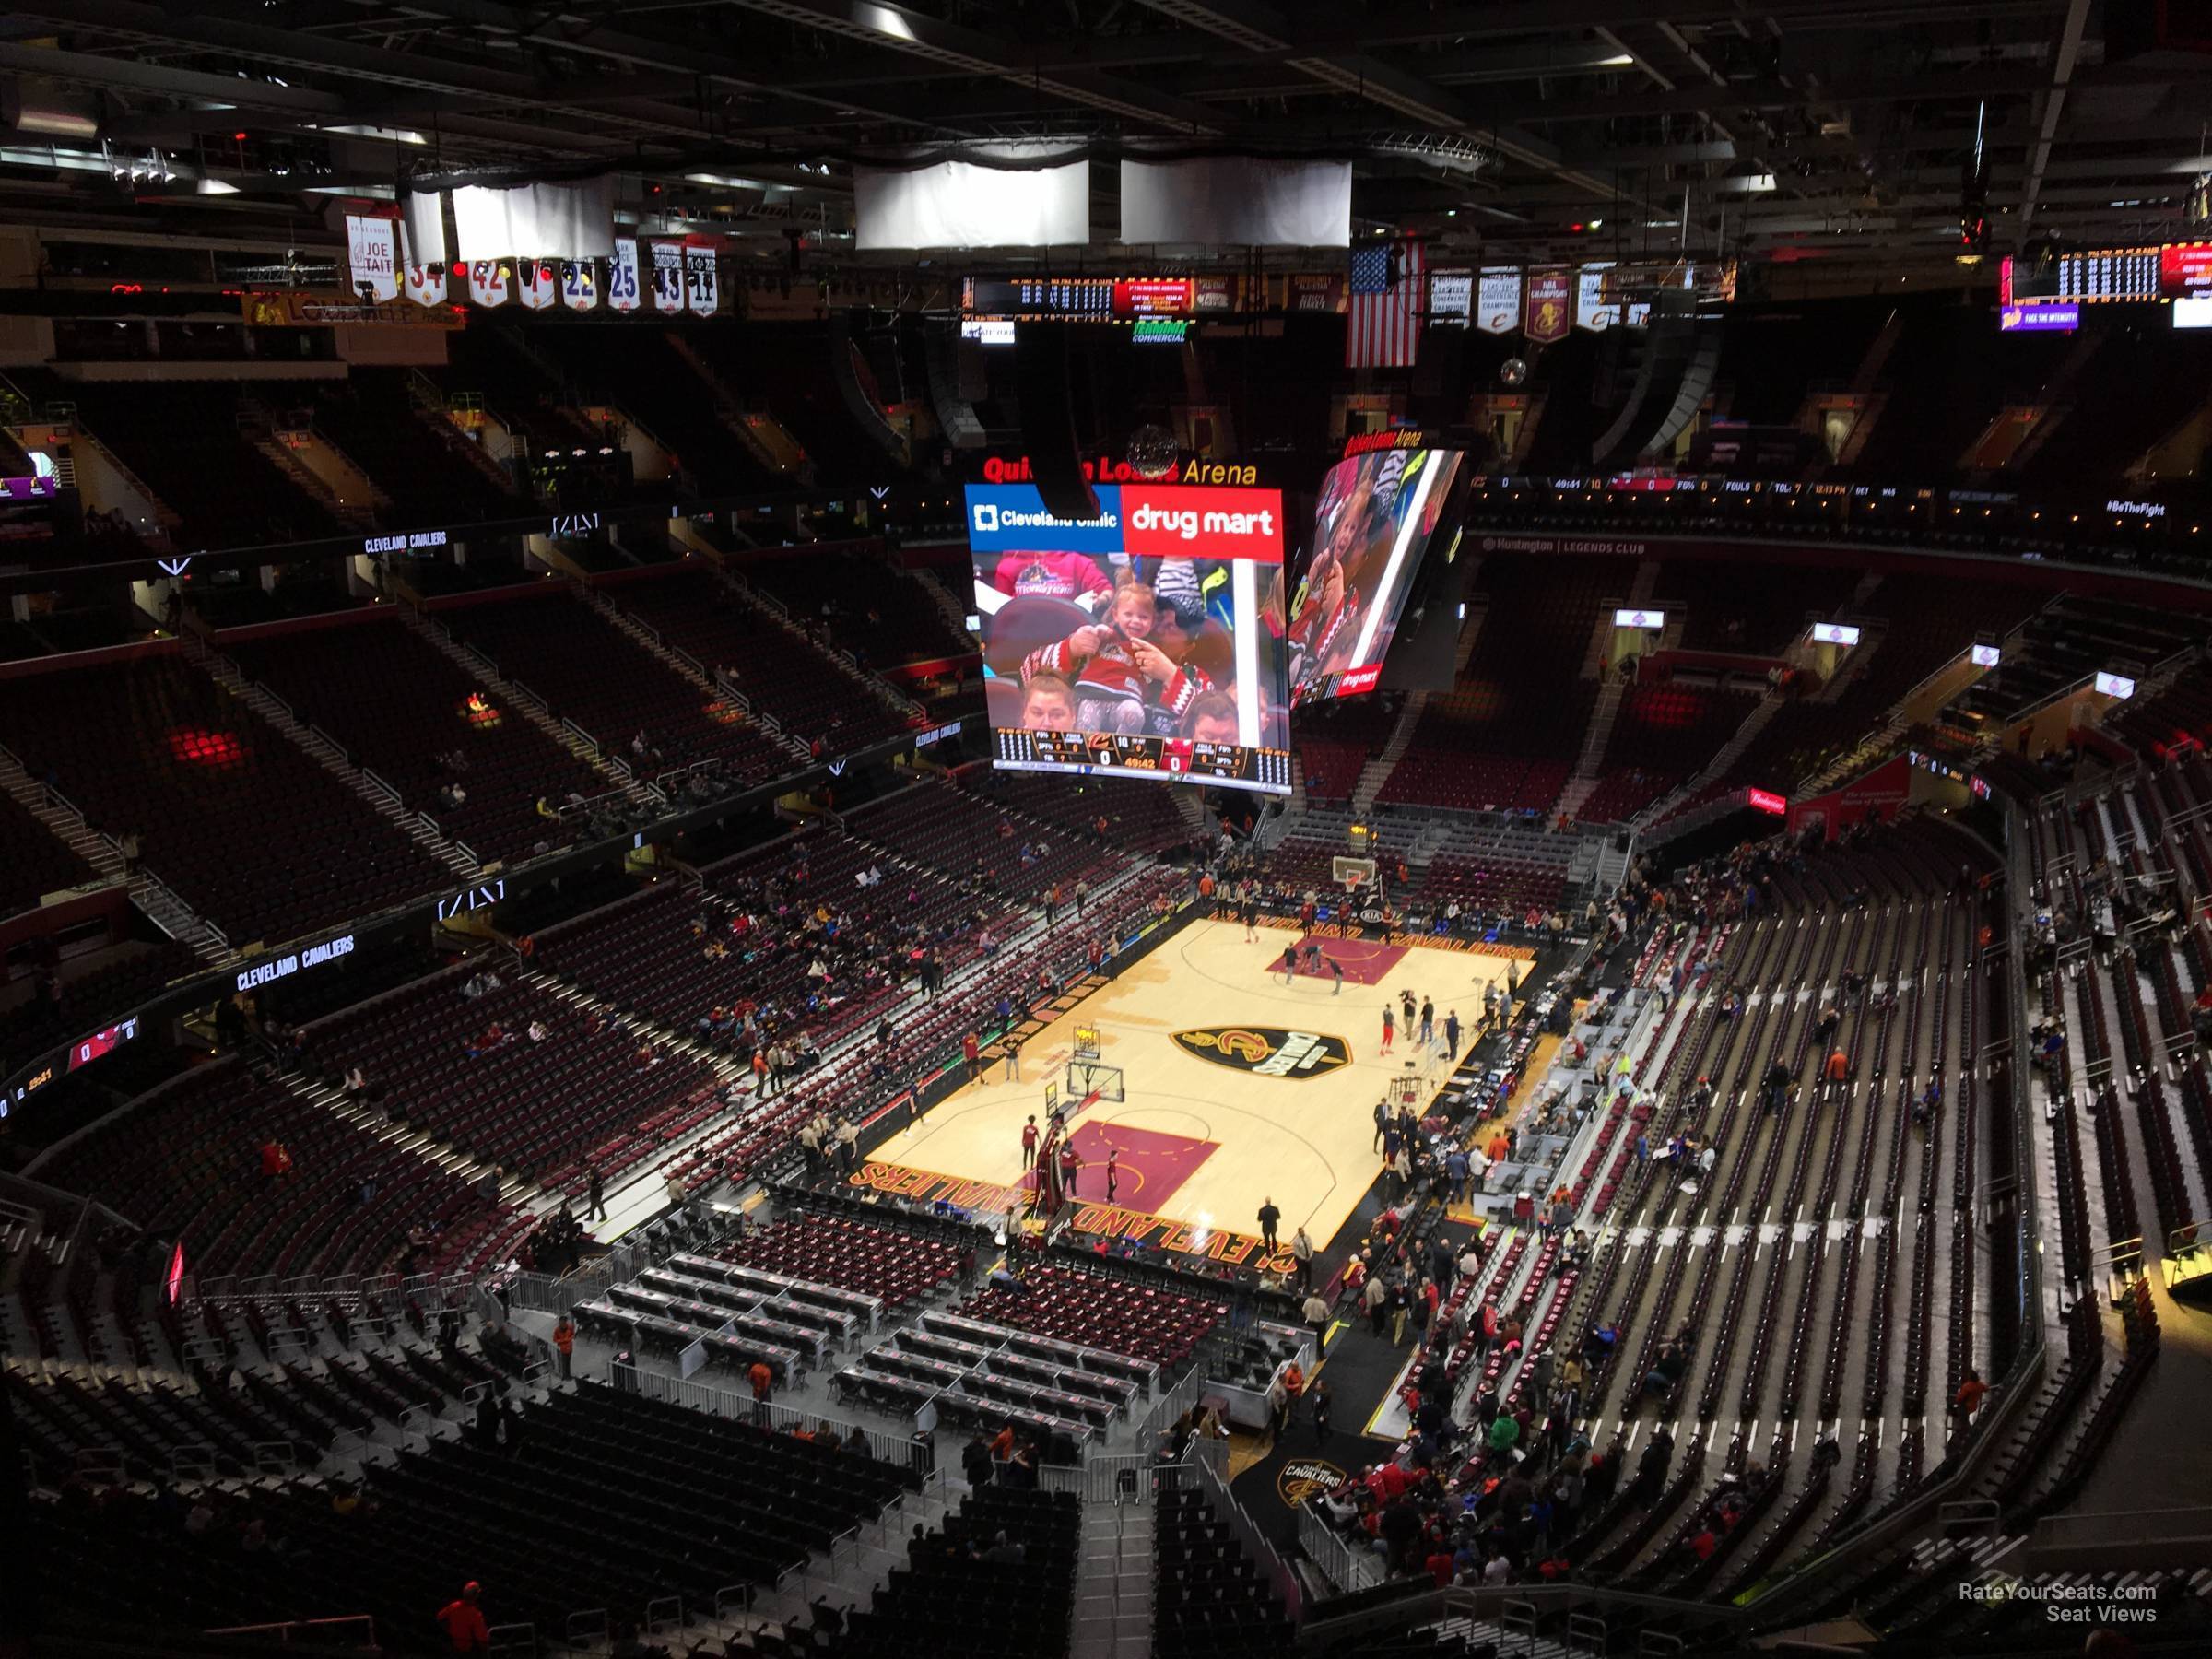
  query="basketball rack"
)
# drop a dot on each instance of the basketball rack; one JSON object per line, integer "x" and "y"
{"x": 1087, "y": 1075}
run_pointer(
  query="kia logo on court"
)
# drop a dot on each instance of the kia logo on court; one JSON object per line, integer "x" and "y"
{"x": 1304, "y": 1479}
{"x": 1268, "y": 1050}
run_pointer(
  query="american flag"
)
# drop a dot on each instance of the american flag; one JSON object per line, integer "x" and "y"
{"x": 1385, "y": 327}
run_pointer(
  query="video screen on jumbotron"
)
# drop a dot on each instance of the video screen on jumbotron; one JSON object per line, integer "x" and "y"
{"x": 1137, "y": 641}
{"x": 1377, "y": 513}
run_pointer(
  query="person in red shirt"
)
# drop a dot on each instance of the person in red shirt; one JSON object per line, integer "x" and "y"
{"x": 1968, "y": 1400}
{"x": 971, "y": 1052}
{"x": 1028, "y": 1142}
{"x": 464, "y": 1621}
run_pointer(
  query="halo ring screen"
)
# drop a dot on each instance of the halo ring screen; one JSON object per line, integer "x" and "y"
{"x": 1140, "y": 641}
{"x": 1377, "y": 514}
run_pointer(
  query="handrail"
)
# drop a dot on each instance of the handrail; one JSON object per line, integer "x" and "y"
{"x": 284, "y": 1630}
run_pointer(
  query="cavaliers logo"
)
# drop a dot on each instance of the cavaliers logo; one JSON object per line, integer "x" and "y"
{"x": 1267, "y": 1051}
{"x": 1304, "y": 1479}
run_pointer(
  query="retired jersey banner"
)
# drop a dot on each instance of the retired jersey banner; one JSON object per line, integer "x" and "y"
{"x": 702, "y": 291}
{"x": 489, "y": 281}
{"x": 538, "y": 281}
{"x": 424, "y": 289}
{"x": 1547, "y": 312}
{"x": 372, "y": 250}
{"x": 1497, "y": 300}
{"x": 579, "y": 285}
{"x": 667, "y": 275}
{"x": 622, "y": 276}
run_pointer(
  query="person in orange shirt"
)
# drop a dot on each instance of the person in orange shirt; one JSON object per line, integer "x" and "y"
{"x": 464, "y": 1621}
{"x": 1838, "y": 1066}
{"x": 564, "y": 1339}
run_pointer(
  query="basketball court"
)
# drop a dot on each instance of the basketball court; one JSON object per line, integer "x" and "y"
{"x": 1233, "y": 1088}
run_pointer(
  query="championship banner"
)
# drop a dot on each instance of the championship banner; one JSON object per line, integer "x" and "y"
{"x": 702, "y": 291}
{"x": 424, "y": 289}
{"x": 667, "y": 275}
{"x": 1306, "y": 291}
{"x": 579, "y": 285}
{"x": 1497, "y": 300}
{"x": 1593, "y": 311}
{"x": 1451, "y": 299}
{"x": 622, "y": 276}
{"x": 538, "y": 282}
{"x": 372, "y": 250}
{"x": 489, "y": 282}
{"x": 1548, "y": 314}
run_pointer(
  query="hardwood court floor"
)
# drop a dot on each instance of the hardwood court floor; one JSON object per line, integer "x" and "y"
{"x": 1206, "y": 1134}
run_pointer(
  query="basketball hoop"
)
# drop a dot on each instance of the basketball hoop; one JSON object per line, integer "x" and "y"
{"x": 1355, "y": 875}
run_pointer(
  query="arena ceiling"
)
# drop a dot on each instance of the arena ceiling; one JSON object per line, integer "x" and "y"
{"x": 1802, "y": 129}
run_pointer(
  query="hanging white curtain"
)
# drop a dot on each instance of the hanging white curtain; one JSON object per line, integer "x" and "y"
{"x": 960, "y": 205}
{"x": 535, "y": 222}
{"x": 422, "y": 222}
{"x": 1238, "y": 201}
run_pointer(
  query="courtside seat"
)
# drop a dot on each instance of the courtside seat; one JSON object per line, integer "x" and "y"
{"x": 879, "y": 1261}
{"x": 1097, "y": 1312}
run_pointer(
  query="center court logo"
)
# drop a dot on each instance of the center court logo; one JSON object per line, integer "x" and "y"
{"x": 1266, "y": 1051}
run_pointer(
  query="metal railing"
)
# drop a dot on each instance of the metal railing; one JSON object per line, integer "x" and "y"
{"x": 350, "y": 1629}
{"x": 1334, "y": 1556}
{"x": 899, "y": 1452}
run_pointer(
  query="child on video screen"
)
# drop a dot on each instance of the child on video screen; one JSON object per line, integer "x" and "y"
{"x": 1123, "y": 681}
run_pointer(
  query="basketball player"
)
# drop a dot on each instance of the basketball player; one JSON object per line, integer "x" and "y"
{"x": 1389, "y": 1028}
{"x": 1336, "y": 973}
{"x": 1252, "y": 920}
{"x": 1287, "y": 967}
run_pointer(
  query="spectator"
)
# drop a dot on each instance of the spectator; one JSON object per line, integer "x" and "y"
{"x": 1968, "y": 1399}
{"x": 463, "y": 1621}
{"x": 564, "y": 1342}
